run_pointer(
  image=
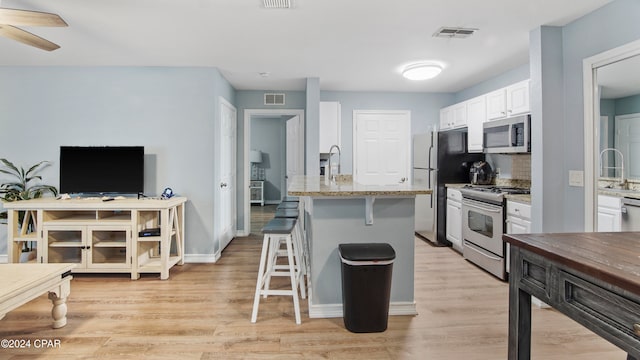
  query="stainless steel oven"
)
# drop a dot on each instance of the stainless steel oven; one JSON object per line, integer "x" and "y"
{"x": 482, "y": 229}
{"x": 483, "y": 223}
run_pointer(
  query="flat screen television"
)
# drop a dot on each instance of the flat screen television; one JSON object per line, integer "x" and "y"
{"x": 102, "y": 169}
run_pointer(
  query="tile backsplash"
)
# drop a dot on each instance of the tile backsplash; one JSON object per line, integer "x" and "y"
{"x": 521, "y": 167}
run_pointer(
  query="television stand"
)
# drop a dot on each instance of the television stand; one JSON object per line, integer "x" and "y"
{"x": 99, "y": 236}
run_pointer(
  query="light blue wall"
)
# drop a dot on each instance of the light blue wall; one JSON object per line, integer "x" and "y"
{"x": 172, "y": 112}
{"x": 547, "y": 130}
{"x": 505, "y": 79}
{"x": 269, "y": 136}
{"x": 628, "y": 105}
{"x": 424, "y": 107}
{"x": 611, "y": 26}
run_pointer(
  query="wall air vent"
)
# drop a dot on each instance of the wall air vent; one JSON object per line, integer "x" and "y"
{"x": 273, "y": 99}
{"x": 277, "y": 4}
{"x": 454, "y": 32}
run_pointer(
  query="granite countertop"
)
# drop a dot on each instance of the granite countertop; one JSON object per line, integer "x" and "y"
{"x": 619, "y": 193}
{"x": 521, "y": 198}
{"x": 346, "y": 187}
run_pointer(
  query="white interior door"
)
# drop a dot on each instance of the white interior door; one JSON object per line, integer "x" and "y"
{"x": 295, "y": 160}
{"x": 627, "y": 140}
{"x": 226, "y": 207}
{"x": 382, "y": 144}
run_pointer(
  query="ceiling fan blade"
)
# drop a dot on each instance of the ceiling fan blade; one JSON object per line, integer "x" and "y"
{"x": 29, "y": 18}
{"x": 27, "y": 38}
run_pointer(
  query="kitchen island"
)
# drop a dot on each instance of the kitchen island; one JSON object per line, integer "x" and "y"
{"x": 348, "y": 212}
{"x": 593, "y": 278}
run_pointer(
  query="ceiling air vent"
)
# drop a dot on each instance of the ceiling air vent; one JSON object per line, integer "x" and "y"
{"x": 277, "y": 4}
{"x": 273, "y": 99}
{"x": 454, "y": 32}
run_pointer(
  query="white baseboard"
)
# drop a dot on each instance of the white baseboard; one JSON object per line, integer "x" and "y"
{"x": 4, "y": 259}
{"x": 335, "y": 310}
{"x": 201, "y": 258}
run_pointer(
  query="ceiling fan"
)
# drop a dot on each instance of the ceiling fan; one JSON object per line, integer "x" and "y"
{"x": 10, "y": 18}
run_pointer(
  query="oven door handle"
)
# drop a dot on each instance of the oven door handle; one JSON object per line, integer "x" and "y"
{"x": 481, "y": 206}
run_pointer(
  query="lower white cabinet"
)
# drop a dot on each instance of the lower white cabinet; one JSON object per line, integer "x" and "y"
{"x": 454, "y": 218}
{"x": 518, "y": 221}
{"x": 609, "y": 213}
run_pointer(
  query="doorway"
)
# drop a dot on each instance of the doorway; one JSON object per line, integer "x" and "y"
{"x": 293, "y": 147}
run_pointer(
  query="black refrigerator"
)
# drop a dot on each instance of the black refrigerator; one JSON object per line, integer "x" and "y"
{"x": 453, "y": 166}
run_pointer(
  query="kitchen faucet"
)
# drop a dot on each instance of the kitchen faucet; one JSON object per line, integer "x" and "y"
{"x": 602, "y": 167}
{"x": 332, "y": 176}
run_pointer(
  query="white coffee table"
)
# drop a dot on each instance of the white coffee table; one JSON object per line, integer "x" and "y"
{"x": 21, "y": 283}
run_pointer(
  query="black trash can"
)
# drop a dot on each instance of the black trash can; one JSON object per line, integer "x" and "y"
{"x": 366, "y": 285}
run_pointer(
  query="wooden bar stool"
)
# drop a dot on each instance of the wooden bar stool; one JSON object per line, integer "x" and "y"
{"x": 274, "y": 231}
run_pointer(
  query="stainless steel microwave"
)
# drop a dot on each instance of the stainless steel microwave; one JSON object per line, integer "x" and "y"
{"x": 510, "y": 135}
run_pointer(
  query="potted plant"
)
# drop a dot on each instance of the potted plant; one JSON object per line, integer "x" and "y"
{"x": 22, "y": 187}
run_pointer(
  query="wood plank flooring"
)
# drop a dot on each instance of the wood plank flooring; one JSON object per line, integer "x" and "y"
{"x": 203, "y": 312}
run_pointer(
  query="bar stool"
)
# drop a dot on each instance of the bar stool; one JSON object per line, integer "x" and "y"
{"x": 299, "y": 243}
{"x": 274, "y": 231}
{"x": 288, "y": 205}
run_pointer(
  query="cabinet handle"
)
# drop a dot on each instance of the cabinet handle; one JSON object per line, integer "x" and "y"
{"x": 636, "y": 329}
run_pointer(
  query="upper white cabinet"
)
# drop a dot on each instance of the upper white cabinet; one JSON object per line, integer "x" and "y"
{"x": 509, "y": 101}
{"x": 476, "y": 115}
{"x": 453, "y": 117}
{"x": 329, "y": 125}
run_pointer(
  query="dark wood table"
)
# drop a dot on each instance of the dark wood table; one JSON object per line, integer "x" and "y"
{"x": 593, "y": 278}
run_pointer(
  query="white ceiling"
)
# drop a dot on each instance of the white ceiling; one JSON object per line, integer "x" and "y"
{"x": 350, "y": 45}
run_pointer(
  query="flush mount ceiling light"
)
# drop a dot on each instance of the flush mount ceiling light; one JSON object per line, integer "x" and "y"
{"x": 421, "y": 71}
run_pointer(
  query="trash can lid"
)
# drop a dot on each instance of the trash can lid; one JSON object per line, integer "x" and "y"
{"x": 367, "y": 252}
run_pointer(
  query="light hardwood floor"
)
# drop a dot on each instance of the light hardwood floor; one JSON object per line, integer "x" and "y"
{"x": 203, "y": 312}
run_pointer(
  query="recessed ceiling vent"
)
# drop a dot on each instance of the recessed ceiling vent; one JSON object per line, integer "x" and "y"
{"x": 277, "y": 4}
{"x": 273, "y": 99}
{"x": 454, "y": 32}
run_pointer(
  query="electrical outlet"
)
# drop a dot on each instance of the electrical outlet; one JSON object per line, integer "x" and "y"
{"x": 576, "y": 178}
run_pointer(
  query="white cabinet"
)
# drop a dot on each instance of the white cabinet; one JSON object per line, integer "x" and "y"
{"x": 518, "y": 221}
{"x": 329, "y": 125}
{"x": 476, "y": 116}
{"x": 453, "y": 117}
{"x": 454, "y": 218}
{"x": 509, "y": 101}
{"x": 609, "y": 213}
{"x": 518, "y": 98}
